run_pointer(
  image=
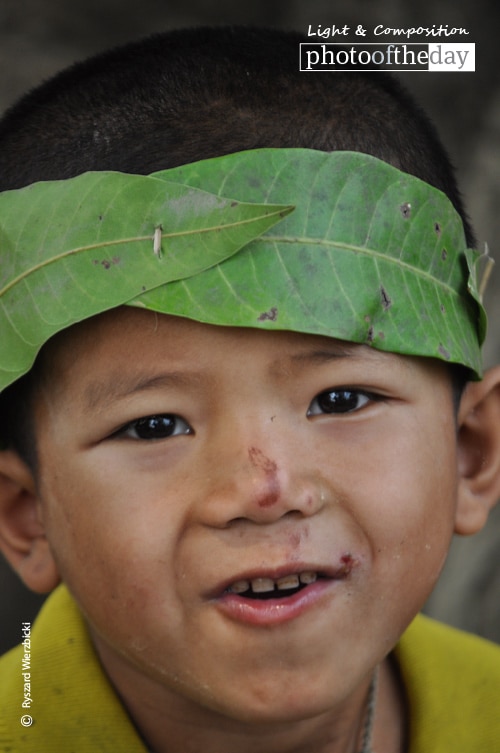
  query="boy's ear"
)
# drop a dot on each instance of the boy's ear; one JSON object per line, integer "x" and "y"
{"x": 22, "y": 536}
{"x": 478, "y": 452}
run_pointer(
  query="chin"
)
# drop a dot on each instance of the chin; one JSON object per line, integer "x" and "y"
{"x": 281, "y": 706}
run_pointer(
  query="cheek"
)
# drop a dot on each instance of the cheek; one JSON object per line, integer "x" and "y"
{"x": 410, "y": 509}
{"x": 398, "y": 475}
{"x": 111, "y": 538}
{"x": 117, "y": 558}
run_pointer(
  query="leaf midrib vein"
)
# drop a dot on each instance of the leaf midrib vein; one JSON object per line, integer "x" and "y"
{"x": 134, "y": 239}
{"x": 273, "y": 238}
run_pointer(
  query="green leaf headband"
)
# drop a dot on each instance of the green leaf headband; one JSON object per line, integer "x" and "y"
{"x": 338, "y": 244}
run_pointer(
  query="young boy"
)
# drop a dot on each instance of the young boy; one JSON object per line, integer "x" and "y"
{"x": 250, "y": 430}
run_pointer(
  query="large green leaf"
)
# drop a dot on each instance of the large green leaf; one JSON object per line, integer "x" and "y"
{"x": 371, "y": 255}
{"x": 72, "y": 249}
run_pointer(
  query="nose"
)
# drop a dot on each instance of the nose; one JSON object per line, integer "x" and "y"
{"x": 262, "y": 482}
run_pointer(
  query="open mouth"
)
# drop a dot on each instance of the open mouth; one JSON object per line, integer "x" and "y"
{"x": 269, "y": 588}
{"x": 270, "y": 598}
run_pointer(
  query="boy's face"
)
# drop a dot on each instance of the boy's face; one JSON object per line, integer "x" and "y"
{"x": 266, "y": 457}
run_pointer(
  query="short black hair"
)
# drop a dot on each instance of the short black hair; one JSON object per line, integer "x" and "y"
{"x": 192, "y": 94}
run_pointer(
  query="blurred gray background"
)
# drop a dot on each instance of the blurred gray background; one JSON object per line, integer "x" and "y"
{"x": 39, "y": 37}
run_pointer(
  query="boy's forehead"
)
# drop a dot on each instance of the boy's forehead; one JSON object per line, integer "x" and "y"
{"x": 342, "y": 245}
{"x": 128, "y": 350}
{"x": 178, "y": 338}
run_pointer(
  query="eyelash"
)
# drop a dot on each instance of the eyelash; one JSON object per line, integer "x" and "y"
{"x": 169, "y": 424}
{"x": 340, "y": 401}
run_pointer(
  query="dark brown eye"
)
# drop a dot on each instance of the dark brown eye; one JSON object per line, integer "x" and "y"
{"x": 161, "y": 426}
{"x": 337, "y": 401}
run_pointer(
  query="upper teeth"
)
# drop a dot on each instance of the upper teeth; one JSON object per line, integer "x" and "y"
{"x": 264, "y": 585}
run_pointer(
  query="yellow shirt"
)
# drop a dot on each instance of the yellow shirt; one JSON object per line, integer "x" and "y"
{"x": 452, "y": 681}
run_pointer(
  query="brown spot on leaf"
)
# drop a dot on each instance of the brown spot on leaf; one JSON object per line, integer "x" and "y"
{"x": 444, "y": 254}
{"x": 405, "y": 210}
{"x": 270, "y": 315}
{"x": 437, "y": 228}
{"x": 106, "y": 263}
{"x": 444, "y": 353}
{"x": 370, "y": 335}
{"x": 386, "y": 301}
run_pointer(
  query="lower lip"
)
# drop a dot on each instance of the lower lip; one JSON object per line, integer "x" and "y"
{"x": 267, "y": 612}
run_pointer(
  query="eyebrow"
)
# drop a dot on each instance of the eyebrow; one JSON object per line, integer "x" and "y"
{"x": 328, "y": 353}
{"x": 120, "y": 387}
